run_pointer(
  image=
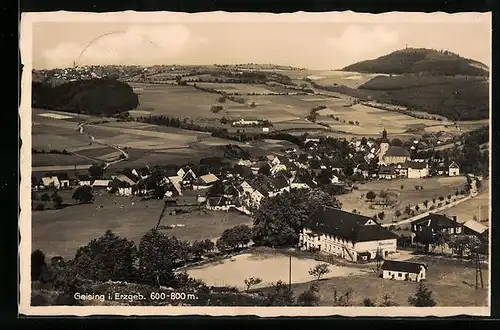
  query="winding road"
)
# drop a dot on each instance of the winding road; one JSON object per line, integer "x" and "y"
{"x": 81, "y": 128}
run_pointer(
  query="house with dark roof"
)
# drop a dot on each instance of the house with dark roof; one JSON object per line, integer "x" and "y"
{"x": 437, "y": 223}
{"x": 220, "y": 203}
{"x": 63, "y": 180}
{"x": 404, "y": 270}
{"x": 396, "y": 155}
{"x": 348, "y": 235}
{"x": 417, "y": 170}
{"x": 124, "y": 189}
{"x": 280, "y": 184}
{"x": 84, "y": 180}
{"x": 303, "y": 181}
{"x": 387, "y": 173}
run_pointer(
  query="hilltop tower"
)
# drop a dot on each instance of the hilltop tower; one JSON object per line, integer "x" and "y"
{"x": 384, "y": 145}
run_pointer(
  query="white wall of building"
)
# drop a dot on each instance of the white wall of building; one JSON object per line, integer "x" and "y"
{"x": 402, "y": 276}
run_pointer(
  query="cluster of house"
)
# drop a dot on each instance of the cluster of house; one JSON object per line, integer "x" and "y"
{"x": 358, "y": 238}
{"x": 134, "y": 183}
{"x": 245, "y": 192}
{"x": 395, "y": 162}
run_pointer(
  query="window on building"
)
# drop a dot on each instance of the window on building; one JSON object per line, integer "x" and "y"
{"x": 458, "y": 230}
{"x": 400, "y": 275}
{"x": 389, "y": 273}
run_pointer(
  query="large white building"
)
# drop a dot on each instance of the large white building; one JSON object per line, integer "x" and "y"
{"x": 348, "y": 235}
{"x": 417, "y": 170}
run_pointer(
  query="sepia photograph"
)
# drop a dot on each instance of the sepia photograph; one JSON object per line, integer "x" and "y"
{"x": 222, "y": 163}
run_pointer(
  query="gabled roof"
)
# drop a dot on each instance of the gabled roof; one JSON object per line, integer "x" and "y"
{"x": 63, "y": 176}
{"x": 397, "y": 152}
{"x": 124, "y": 184}
{"x": 453, "y": 165}
{"x": 101, "y": 183}
{"x": 350, "y": 226}
{"x": 280, "y": 182}
{"x": 124, "y": 178}
{"x": 386, "y": 170}
{"x": 416, "y": 165}
{"x": 208, "y": 178}
{"x": 475, "y": 226}
{"x": 436, "y": 221}
{"x": 84, "y": 178}
{"x": 403, "y": 266}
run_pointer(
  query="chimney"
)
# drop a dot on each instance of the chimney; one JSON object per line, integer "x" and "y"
{"x": 454, "y": 218}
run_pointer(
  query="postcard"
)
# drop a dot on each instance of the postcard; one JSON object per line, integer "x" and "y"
{"x": 263, "y": 164}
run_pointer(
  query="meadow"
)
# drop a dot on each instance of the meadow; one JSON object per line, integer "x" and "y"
{"x": 478, "y": 207}
{"x": 451, "y": 282}
{"x": 433, "y": 187}
{"x": 62, "y": 232}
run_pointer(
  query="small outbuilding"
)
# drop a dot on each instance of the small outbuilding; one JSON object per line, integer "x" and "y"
{"x": 403, "y": 270}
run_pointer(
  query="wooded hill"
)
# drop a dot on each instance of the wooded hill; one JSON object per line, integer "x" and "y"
{"x": 92, "y": 97}
{"x": 436, "y": 82}
{"x": 421, "y": 61}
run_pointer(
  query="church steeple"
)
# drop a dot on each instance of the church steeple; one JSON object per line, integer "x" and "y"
{"x": 384, "y": 137}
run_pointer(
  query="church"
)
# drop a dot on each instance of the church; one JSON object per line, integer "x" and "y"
{"x": 391, "y": 154}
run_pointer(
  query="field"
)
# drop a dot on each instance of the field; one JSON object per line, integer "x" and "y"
{"x": 372, "y": 120}
{"x": 471, "y": 208}
{"x": 51, "y": 159}
{"x": 433, "y": 188}
{"x": 269, "y": 267}
{"x": 62, "y": 232}
{"x": 349, "y": 79}
{"x": 237, "y": 88}
{"x": 452, "y": 284}
{"x": 177, "y": 101}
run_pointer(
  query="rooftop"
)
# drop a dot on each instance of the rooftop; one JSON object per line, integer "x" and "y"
{"x": 351, "y": 226}
{"x": 396, "y": 151}
{"x": 402, "y": 266}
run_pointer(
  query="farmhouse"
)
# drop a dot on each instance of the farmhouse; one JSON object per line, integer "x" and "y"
{"x": 84, "y": 180}
{"x": 453, "y": 169}
{"x": 437, "y": 223}
{"x": 417, "y": 170}
{"x": 243, "y": 122}
{"x": 124, "y": 178}
{"x": 403, "y": 270}
{"x": 63, "y": 180}
{"x": 124, "y": 189}
{"x": 387, "y": 173}
{"x": 347, "y": 235}
{"x": 281, "y": 184}
{"x": 220, "y": 203}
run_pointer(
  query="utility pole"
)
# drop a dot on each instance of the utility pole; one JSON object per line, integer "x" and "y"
{"x": 479, "y": 273}
{"x": 290, "y": 275}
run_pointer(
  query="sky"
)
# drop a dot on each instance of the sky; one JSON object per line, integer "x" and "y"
{"x": 313, "y": 45}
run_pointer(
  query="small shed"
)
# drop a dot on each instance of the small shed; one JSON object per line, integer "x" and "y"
{"x": 404, "y": 270}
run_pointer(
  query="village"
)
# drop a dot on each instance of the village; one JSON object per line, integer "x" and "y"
{"x": 336, "y": 166}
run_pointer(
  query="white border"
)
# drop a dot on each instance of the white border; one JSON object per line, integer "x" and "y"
{"x": 28, "y": 19}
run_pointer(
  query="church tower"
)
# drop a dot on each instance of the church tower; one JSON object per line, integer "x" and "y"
{"x": 384, "y": 146}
